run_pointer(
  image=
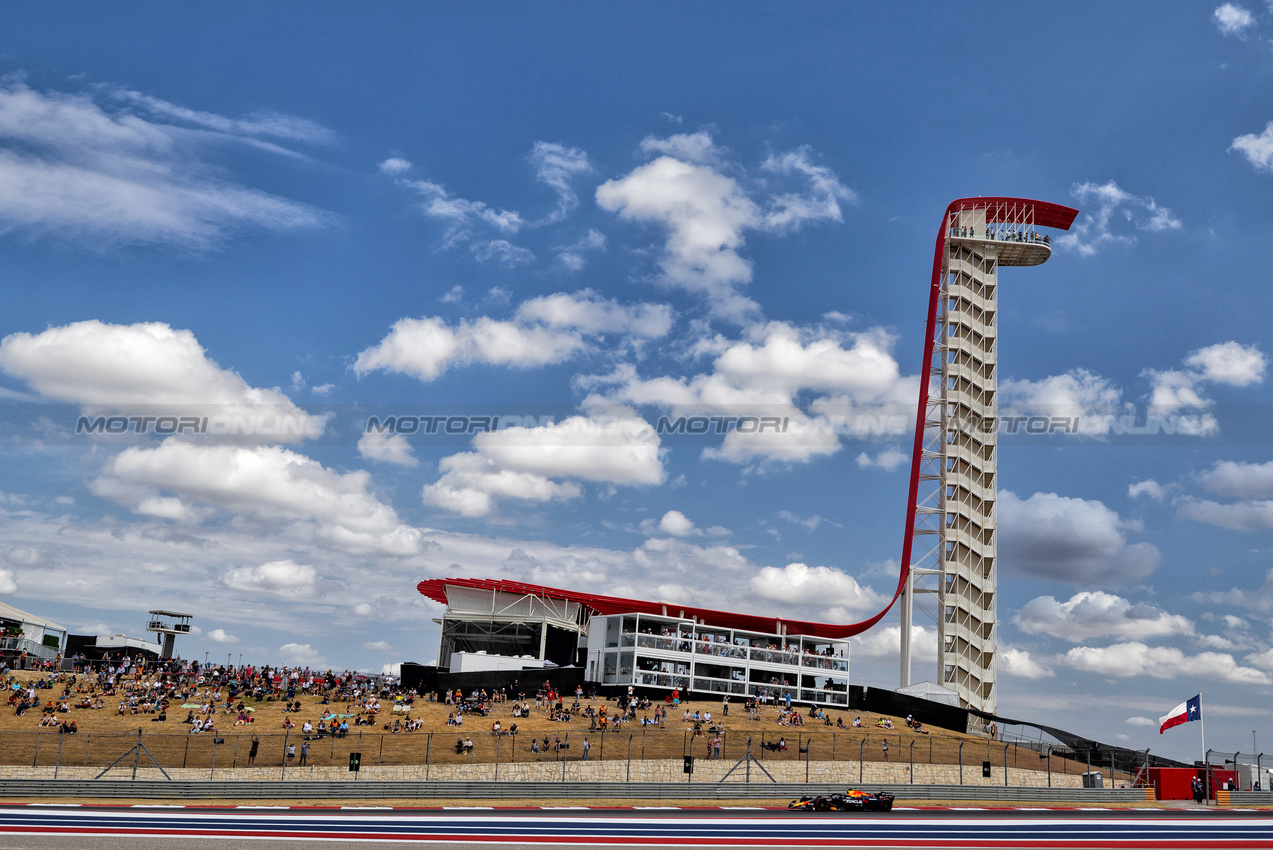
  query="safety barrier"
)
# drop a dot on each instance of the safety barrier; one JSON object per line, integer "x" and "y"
{"x": 158, "y": 790}
{"x": 1244, "y": 798}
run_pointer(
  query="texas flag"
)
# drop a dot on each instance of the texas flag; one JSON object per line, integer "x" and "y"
{"x": 1183, "y": 713}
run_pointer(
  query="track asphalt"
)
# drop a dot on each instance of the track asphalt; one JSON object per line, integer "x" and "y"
{"x": 157, "y": 827}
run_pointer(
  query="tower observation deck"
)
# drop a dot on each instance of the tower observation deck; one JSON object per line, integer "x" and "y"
{"x": 949, "y": 553}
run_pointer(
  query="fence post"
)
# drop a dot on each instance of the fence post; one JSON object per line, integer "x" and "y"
{"x": 185, "y": 753}
{"x": 912, "y": 761}
{"x": 861, "y": 756}
{"x": 428, "y": 751}
{"x": 1206, "y": 771}
{"x": 61, "y": 739}
{"x": 213, "y": 774}
{"x": 286, "y": 737}
{"x": 36, "y": 759}
{"x": 961, "y": 762}
{"x": 1049, "y": 765}
{"x": 497, "y": 743}
{"x": 137, "y": 752}
{"x": 380, "y": 758}
{"x": 563, "y": 757}
{"x": 808, "y": 752}
{"x": 1005, "y": 765}
{"x": 87, "y": 744}
{"x": 629, "y": 777}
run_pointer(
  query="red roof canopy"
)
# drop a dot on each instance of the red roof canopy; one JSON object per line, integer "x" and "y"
{"x": 997, "y": 209}
{"x": 435, "y": 589}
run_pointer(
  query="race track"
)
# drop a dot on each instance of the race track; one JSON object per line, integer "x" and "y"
{"x": 156, "y": 827}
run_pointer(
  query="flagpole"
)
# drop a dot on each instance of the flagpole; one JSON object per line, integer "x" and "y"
{"x": 1202, "y": 731}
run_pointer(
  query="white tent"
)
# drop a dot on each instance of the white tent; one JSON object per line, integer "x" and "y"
{"x": 931, "y": 691}
{"x": 34, "y": 629}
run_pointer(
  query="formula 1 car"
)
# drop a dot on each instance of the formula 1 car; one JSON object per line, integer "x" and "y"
{"x": 849, "y": 801}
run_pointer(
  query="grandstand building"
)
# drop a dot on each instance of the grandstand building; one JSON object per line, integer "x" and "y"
{"x": 653, "y": 646}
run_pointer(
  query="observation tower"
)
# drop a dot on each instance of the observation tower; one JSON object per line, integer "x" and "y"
{"x": 949, "y": 552}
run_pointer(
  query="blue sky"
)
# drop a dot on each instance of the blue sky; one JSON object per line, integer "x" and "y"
{"x": 589, "y": 217}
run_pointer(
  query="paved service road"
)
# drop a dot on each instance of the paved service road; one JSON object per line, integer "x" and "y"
{"x": 154, "y": 828}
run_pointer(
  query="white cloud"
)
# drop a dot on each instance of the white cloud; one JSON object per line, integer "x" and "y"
{"x": 697, "y": 147}
{"x": 379, "y": 646}
{"x": 387, "y": 448}
{"x": 1229, "y": 363}
{"x": 504, "y": 253}
{"x": 889, "y": 459}
{"x": 1077, "y": 393}
{"x": 1150, "y": 488}
{"x": 885, "y": 644}
{"x": 222, "y": 636}
{"x": 1254, "y": 515}
{"x": 555, "y": 166}
{"x": 70, "y": 167}
{"x": 1077, "y": 541}
{"x": 545, "y": 330}
{"x": 394, "y": 165}
{"x": 301, "y": 654}
{"x": 520, "y": 462}
{"x": 573, "y": 256}
{"x": 1239, "y": 480}
{"x": 809, "y": 523}
{"x": 8, "y": 582}
{"x": 1258, "y": 150}
{"x": 1114, "y": 206}
{"x": 1260, "y": 599}
{"x": 471, "y": 484}
{"x": 274, "y": 124}
{"x": 706, "y": 213}
{"x": 1017, "y": 662}
{"x": 1232, "y": 19}
{"x": 1141, "y": 721}
{"x": 1126, "y": 660}
{"x": 790, "y": 210}
{"x": 588, "y": 312}
{"x": 25, "y": 556}
{"x": 425, "y": 348}
{"x": 1092, "y": 614}
{"x": 676, "y": 524}
{"x": 280, "y": 578}
{"x": 814, "y": 587}
{"x": 618, "y": 448}
{"x": 788, "y": 360}
{"x": 1250, "y": 483}
{"x": 486, "y": 226}
{"x": 120, "y": 367}
{"x": 266, "y": 483}
{"x": 762, "y": 377}
{"x": 460, "y": 216}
